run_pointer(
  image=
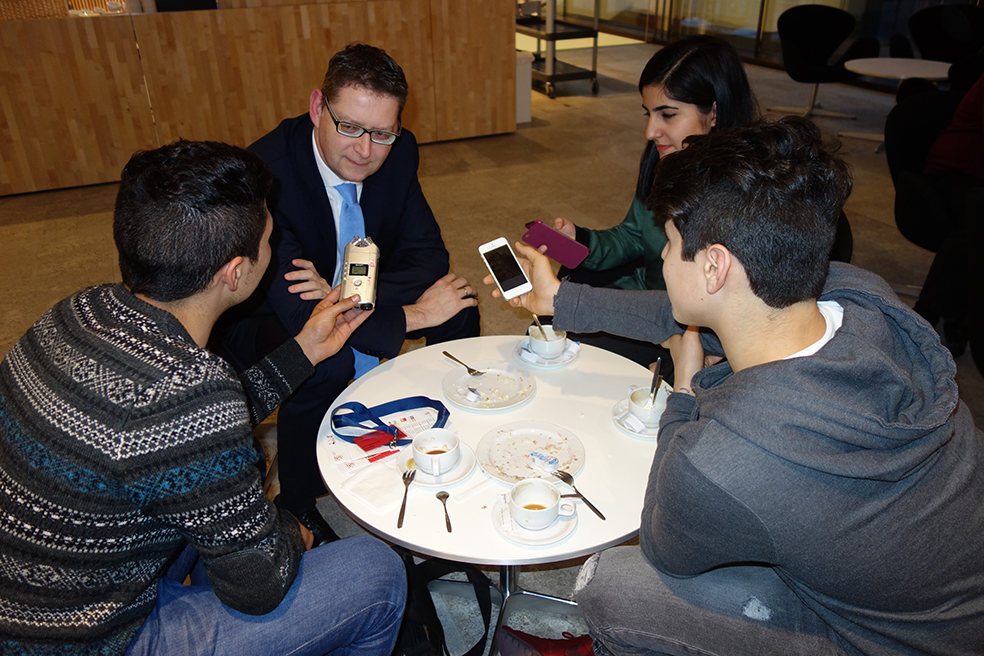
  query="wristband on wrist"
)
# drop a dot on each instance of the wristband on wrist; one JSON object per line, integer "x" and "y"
{"x": 683, "y": 390}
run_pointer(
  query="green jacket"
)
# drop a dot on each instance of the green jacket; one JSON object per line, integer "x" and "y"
{"x": 636, "y": 236}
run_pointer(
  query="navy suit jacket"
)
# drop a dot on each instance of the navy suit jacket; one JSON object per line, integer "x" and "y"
{"x": 412, "y": 255}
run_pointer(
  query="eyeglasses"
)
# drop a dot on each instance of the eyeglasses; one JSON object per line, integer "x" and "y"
{"x": 346, "y": 129}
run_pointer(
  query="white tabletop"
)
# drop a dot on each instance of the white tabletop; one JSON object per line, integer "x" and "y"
{"x": 899, "y": 68}
{"x": 579, "y": 397}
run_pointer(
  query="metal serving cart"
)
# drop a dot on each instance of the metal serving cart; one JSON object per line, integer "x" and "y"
{"x": 546, "y": 67}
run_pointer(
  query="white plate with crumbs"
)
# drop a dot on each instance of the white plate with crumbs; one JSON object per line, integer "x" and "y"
{"x": 504, "y": 453}
{"x": 503, "y": 385}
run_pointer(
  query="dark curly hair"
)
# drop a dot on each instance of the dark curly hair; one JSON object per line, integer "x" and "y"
{"x": 770, "y": 192}
{"x": 185, "y": 210}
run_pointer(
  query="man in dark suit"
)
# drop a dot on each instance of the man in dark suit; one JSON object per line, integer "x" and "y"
{"x": 348, "y": 159}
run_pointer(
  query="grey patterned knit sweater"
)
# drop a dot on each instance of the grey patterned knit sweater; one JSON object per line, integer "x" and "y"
{"x": 121, "y": 441}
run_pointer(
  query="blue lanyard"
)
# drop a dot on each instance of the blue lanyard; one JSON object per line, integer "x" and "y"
{"x": 359, "y": 416}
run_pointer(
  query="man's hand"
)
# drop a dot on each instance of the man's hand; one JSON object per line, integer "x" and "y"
{"x": 565, "y": 226}
{"x": 688, "y": 358}
{"x": 312, "y": 286}
{"x": 442, "y": 300}
{"x": 541, "y": 275}
{"x": 331, "y": 323}
{"x": 306, "y": 536}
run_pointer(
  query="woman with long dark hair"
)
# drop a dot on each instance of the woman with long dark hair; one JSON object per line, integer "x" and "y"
{"x": 689, "y": 87}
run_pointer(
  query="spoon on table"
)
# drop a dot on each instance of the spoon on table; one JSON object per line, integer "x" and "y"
{"x": 443, "y": 496}
{"x": 657, "y": 381}
{"x": 540, "y": 326}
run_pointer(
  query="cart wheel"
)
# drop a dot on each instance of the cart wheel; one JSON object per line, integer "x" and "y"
{"x": 594, "y": 86}
{"x": 551, "y": 91}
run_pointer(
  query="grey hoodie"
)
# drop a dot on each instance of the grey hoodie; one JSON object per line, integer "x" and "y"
{"x": 856, "y": 473}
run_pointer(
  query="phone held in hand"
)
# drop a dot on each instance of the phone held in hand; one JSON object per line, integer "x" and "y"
{"x": 505, "y": 269}
{"x": 560, "y": 247}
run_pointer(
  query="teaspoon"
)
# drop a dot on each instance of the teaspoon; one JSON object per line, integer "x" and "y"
{"x": 443, "y": 496}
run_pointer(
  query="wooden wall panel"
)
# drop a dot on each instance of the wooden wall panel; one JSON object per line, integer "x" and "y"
{"x": 474, "y": 67}
{"x": 74, "y": 92}
{"x": 232, "y": 75}
{"x": 73, "y": 107}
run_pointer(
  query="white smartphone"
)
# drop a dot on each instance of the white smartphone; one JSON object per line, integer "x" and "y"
{"x": 505, "y": 269}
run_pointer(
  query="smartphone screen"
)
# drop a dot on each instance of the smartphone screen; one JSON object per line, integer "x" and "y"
{"x": 506, "y": 269}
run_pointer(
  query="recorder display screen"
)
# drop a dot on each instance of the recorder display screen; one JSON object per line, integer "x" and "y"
{"x": 358, "y": 269}
{"x": 505, "y": 268}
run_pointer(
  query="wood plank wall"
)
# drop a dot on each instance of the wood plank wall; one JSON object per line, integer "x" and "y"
{"x": 74, "y": 106}
{"x": 234, "y": 74}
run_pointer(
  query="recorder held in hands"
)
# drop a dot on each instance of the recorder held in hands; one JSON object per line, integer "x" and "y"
{"x": 359, "y": 271}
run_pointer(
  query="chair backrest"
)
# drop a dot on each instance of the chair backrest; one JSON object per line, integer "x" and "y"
{"x": 810, "y": 34}
{"x": 948, "y": 32}
{"x": 913, "y": 125}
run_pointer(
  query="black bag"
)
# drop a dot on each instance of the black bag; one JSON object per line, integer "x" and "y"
{"x": 421, "y": 633}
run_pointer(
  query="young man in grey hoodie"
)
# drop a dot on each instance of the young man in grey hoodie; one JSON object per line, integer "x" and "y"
{"x": 820, "y": 491}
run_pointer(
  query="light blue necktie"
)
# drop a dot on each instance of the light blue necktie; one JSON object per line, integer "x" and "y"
{"x": 352, "y": 224}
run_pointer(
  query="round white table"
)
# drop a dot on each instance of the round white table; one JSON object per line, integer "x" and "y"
{"x": 579, "y": 397}
{"x": 899, "y": 68}
{"x": 893, "y": 68}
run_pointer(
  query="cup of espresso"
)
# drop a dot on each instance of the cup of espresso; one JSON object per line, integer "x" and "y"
{"x": 535, "y": 504}
{"x": 547, "y": 344}
{"x": 436, "y": 451}
{"x": 639, "y": 406}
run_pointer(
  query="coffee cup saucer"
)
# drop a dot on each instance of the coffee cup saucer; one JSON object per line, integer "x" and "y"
{"x": 526, "y": 356}
{"x": 507, "y": 528}
{"x": 619, "y": 413}
{"x": 461, "y": 470}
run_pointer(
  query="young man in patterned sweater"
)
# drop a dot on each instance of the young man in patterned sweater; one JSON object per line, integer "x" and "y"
{"x": 127, "y": 461}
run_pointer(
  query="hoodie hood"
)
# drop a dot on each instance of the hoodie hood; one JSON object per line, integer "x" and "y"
{"x": 874, "y": 403}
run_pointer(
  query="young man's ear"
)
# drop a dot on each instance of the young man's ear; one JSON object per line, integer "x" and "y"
{"x": 230, "y": 273}
{"x": 717, "y": 266}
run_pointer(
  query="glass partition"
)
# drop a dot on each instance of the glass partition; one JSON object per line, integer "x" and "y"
{"x": 749, "y": 26}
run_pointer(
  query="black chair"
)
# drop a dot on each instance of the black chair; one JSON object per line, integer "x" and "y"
{"x": 948, "y": 32}
{"x": 910, "y": 130}
{"x": 927, "y": 214}
{"x": 810, "y": 34}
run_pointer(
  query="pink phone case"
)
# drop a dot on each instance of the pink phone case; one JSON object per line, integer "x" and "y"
{"x": 560, "y": 247}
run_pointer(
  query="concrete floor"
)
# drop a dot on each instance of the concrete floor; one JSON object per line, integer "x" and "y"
{"x": 577, "y": 158}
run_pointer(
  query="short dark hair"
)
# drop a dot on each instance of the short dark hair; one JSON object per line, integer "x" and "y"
{"x": 366, "y": 66}
{"x": 185, "y": 210}
{"x": 701, "y": 71}
{"x": 770, "y": 192}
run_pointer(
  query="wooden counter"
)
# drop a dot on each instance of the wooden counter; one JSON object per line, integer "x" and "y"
{"x": 77, "y": 98}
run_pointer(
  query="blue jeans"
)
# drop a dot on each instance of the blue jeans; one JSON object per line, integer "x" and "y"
{"x": 631, "y": 608}
{"x": 348, "y": 598}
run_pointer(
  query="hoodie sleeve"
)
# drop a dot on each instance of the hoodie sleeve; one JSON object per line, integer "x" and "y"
{"x": 644, "y": 315}
{"x": 689, "y": 524}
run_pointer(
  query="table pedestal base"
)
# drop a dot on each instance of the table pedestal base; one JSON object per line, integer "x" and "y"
{"x": 511, "y": 598}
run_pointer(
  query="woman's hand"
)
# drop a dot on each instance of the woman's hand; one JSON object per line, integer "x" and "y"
{"x": 312, "y": 287}
{"x": 541, "y": 276}
{"x": 563, "y": 225}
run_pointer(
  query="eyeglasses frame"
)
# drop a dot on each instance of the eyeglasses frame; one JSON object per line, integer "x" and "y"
{"x": 365, "y": 130}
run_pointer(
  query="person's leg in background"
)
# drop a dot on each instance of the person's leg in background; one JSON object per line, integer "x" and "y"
{"x": 631, "y": 608}
{"x": 298, "y": 422}
{"x": 348, "y": 598}
{"x": 246, "y": 342}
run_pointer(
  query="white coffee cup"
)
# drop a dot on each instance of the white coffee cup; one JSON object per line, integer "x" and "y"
{"x": 551, "y": 347}
{"x": 436, "y": 451}
{"x": 535, "y": 504}
{"x": 639, "y": 405}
